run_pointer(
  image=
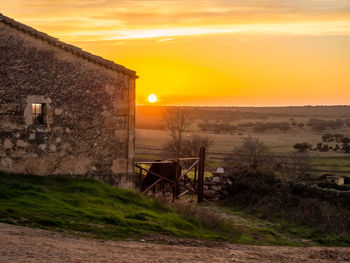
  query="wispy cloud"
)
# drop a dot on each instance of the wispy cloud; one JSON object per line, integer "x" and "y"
{"x": 134, "y": 19}
{"x": 311, "y": 28}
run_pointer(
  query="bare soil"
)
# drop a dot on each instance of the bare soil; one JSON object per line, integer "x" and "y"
{"x": 22, "y": 244}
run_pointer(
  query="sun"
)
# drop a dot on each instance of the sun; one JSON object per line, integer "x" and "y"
{"x": 152, "y": 98}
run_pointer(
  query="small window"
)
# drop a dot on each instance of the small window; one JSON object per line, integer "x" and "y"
{"x": 38, "y": 110}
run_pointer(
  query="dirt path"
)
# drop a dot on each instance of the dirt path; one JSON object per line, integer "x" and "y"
{"x": 21, "y": 244}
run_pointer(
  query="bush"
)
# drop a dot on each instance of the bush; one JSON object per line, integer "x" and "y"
{"x": 262, "y": 190}
{"x": 302, "y": 147}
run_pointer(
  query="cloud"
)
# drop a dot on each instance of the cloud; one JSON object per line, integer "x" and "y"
{"x": 133, "y": 19}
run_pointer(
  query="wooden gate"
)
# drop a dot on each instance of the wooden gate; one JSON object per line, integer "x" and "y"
{"x": 189, "y": 180}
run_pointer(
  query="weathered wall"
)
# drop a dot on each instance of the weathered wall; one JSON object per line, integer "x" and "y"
{"x": 89, "y": 126}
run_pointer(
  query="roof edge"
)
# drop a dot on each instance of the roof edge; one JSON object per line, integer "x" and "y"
{"x": 66, "y": 47}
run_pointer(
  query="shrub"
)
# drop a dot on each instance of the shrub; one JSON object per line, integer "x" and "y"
{"x": 302, "y": 147}
{"x": 261, "y": 189}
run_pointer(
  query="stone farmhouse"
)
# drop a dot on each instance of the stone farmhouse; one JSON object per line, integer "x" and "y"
{"x": 63, "y": 111}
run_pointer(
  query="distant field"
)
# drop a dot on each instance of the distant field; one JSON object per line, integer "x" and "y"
{"x": 150, "y": 142}
{"x": 151, "y": 134}
{"x": 277, "y": 141}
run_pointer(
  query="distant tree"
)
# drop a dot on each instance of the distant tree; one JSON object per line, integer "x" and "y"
{"x": 327, "y": 137}
{"x": 217, "y": 130}
{"x": 346, "y": 147}
{"x": 319, "y": 126}
{"x": 284, "y": 126}
{"x": 252, "y": 152}
{"x": 177, "y": 121}
{"x": 319, "y": 146}
{"x": 204, "y": 126}
{"x": 345, "y": 140}
{"x": 338, "y": 137}
{"x": 325, "y": 148}
{"x": 299, "y": 165}
{"x": 302, "y": 147}
{"x": 192, "y": 145}
{"x": 336, "y": 124}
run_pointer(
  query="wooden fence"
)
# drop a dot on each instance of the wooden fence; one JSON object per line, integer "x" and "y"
{"x": 282, "y": 159}
{"x": 181, "y": 183}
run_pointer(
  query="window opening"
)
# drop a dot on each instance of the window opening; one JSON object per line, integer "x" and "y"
{"x": 38, "y": 113}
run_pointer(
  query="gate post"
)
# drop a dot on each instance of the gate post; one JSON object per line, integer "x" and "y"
{"x": 176, "y": 185}
{"x": 200, "y": 175}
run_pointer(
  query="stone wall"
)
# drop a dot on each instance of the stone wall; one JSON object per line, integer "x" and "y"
{"x": 89, "y": 112}
{"x": 217, "y": 186}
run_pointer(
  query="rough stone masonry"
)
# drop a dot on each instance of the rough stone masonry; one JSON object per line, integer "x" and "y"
{"x": 63, "y": 110}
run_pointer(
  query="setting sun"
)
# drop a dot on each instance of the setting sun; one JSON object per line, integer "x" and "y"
{"x": 152, "y": 98}
{"x": 234, "y": 52}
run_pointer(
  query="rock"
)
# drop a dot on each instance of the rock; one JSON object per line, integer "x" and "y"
{"x": 18, "y": 154}
{"x": 21, "y": 143}
{"x": 31, "y": 136}
{"x": 217, "y": 179}
{"x": 216, "y": 187}
{"x": 52, "y": 148}
{"x": 58, "y": 140}
{"x": 220, "y": 170}
{"x": 8, "y": 144}
{"x": 42, "y": 147}
{"x": 58, "y": 112}
{"x": 67, "y": 130}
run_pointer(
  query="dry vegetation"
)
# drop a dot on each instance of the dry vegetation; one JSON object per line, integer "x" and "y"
{"x": 275, "y": 197}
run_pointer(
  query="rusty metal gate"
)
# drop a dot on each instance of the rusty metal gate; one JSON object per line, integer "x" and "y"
{"x": 183, "y": 183}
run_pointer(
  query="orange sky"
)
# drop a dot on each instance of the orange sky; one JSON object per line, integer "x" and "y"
{"x": 211, "y": 52}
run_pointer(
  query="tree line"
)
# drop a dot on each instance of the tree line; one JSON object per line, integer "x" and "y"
{"x": 342, "y": 143}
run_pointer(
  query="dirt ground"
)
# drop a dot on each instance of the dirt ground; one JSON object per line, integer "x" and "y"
{"x": 22, "y": 244}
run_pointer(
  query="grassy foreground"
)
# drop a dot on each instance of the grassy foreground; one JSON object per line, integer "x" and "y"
{"x": 90, "y": 208}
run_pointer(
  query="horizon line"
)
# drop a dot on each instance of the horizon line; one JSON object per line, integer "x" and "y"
{"x": 236, "y": 106}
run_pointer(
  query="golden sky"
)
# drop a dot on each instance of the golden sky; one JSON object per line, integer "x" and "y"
{"x": 210, "y": 52}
